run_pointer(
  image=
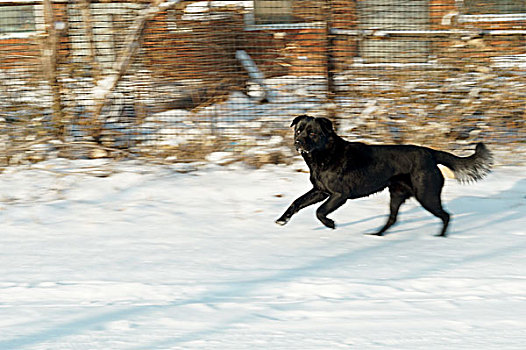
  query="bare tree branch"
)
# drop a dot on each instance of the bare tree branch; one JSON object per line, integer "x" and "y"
{"x": 106, "y": 85}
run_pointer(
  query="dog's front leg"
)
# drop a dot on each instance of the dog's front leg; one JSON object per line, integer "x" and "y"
{"x": 334, "y": 202}
{"x": 309, "y": 198}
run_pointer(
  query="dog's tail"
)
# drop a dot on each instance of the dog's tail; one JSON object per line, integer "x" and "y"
{"x": 467, "y": 169}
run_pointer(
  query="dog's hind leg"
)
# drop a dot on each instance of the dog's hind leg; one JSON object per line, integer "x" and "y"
{"x": 434, "y": 206}
{"x": 428, "y": 195}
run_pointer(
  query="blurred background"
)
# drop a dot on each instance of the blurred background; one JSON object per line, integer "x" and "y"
{"x": 190, "y": 81}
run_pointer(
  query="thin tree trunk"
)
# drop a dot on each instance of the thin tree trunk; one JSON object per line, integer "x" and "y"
{"x": 50, "y": 47}
{"x": 87, "y": 22}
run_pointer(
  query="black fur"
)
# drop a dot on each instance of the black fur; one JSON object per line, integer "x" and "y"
{"x": 341, "y": 170}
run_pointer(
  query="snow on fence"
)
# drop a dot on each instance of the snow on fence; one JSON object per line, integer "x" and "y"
{"x": 179, "y": 81}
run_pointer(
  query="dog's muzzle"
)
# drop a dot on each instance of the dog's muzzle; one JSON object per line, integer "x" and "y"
{"x": 300, "y": 147}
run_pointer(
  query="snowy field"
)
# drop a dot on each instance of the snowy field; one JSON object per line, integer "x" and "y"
{"x": 135, "y": 256}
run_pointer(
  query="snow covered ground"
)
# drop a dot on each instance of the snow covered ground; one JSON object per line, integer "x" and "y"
{"x": 141, "y": 256}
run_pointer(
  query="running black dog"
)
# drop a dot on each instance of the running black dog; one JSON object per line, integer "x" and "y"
{"x": 341, "y": 170}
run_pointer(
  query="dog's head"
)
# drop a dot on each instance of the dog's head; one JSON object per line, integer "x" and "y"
{"x": 311, "y": 134}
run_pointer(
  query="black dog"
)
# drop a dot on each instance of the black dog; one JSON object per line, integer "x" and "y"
{"x": 341, "y": 170}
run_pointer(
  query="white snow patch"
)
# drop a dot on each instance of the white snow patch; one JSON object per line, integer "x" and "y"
{"x": 149, "y": 258}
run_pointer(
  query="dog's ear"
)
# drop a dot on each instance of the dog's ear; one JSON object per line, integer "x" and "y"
{"x": 325, "y": 124}
{"x": 298, "y": 119}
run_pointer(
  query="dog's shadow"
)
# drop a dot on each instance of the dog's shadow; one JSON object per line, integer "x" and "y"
{"x": 466, "y": 212}
{"x": 361, "y": 221}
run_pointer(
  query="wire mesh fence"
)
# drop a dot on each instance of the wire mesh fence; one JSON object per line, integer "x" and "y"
{"x": 180, "y": 81}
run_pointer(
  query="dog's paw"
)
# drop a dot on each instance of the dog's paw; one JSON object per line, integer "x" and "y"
{"x": 329, "y": 223}
{"x": 379, "y": 234}
{"x": 282, "y": 221}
